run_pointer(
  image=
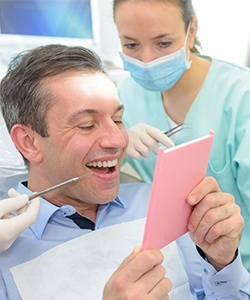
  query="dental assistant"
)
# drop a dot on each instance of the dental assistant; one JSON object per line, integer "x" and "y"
{"x": 171, "y": 83}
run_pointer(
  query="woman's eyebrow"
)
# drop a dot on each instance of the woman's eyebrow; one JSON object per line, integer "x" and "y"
{"x": 164, "y": 35}
{"x": 127, "y": 37}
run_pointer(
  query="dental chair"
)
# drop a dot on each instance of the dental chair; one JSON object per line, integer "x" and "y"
{"x": 12, "y": 166}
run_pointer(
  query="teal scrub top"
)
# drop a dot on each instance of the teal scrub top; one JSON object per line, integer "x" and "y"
{"x": 223, "y": 105}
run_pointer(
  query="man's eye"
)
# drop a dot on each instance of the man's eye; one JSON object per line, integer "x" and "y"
{"x": 89, "y": 127}
{"x": 119, "y": 123}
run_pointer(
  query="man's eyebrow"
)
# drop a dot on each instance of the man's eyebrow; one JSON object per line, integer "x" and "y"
{"x": 80, "y": 113}
{"x": 90, "y": 111}
{"x": 119, "y": 108}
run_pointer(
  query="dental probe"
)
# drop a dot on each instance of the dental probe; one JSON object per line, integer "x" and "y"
{"x": 57, "y": 186}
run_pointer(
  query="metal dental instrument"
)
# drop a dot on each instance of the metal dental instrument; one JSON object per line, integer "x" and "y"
{"x": 57, "y": 186}
{"x": 178, "y": 128}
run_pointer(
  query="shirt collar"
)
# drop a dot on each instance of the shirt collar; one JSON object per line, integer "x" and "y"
{"x": 118, "y": 201}
{"x": 48, "y": 209}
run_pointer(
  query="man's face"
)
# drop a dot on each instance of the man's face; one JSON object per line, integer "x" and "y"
{"x": 86, "y": 134}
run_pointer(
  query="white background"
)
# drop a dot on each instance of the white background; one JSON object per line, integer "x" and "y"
{"x": 224, "y": 29}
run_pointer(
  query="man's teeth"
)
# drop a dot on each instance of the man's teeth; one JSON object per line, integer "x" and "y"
{"x": 103, "y": 164}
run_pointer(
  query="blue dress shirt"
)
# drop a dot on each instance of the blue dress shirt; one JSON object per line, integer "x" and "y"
{"x": 53, "y": 227}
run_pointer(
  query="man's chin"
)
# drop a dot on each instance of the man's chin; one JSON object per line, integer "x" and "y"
{"x": 107, "y": 194}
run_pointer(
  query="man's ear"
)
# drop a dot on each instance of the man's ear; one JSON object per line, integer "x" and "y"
{"x": 25, "y": 139}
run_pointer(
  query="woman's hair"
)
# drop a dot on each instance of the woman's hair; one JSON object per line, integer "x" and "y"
{"x": 23, "y": 98}
{"x": 185, "y": 6}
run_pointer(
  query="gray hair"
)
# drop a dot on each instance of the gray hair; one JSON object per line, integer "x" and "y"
{"x": 23, "y": 99}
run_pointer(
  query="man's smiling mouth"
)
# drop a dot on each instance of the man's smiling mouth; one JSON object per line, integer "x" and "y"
{"x": 103, "y": 166}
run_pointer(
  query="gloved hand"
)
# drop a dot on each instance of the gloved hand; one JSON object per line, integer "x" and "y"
{"x": 12, "y": 225}
{"x": 144, "y": 138}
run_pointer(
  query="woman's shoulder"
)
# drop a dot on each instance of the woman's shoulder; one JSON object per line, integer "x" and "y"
{"x": 230, "y": 67}
{"x": 223, "y": 74}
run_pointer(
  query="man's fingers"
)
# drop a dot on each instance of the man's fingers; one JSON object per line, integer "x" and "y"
{"x": 213, "y": 206}
{"x": 143, "y": 262}
{"x": 150, "y": 280}
{"x": 138, "y": 263}
{"x": 140, "y": 276}
{"x": 207, "y": 186}
{"x": 213, "y": 217}
{"x": 226, "y": 228}
{"x": 161, "y": 290}
{"x": 135, "y": 252}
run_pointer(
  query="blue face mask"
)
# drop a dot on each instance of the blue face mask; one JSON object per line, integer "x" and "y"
{"x": 160, "y": 74}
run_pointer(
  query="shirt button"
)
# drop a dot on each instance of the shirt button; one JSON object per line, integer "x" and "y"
{"x": 205, "y": 271}
{"x": 218, "y": 283}
{"x": 67, "y": 211}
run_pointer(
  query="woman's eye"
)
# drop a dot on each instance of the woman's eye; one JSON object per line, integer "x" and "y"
{"x": 164, "y": 44}
{"x": 130, "y": 45}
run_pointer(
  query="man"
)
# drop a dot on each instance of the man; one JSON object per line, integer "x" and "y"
{"x": 65, "y": 118}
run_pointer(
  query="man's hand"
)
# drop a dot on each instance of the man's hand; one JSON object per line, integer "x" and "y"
{"x": 12, "y": 225}
{"x": 143, "y": 139}
{"x": 215, "y": 224}
{"x": 140, "y": 276}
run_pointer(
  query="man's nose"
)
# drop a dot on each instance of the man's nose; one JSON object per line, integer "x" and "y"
{"x": 114, "y": 137}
